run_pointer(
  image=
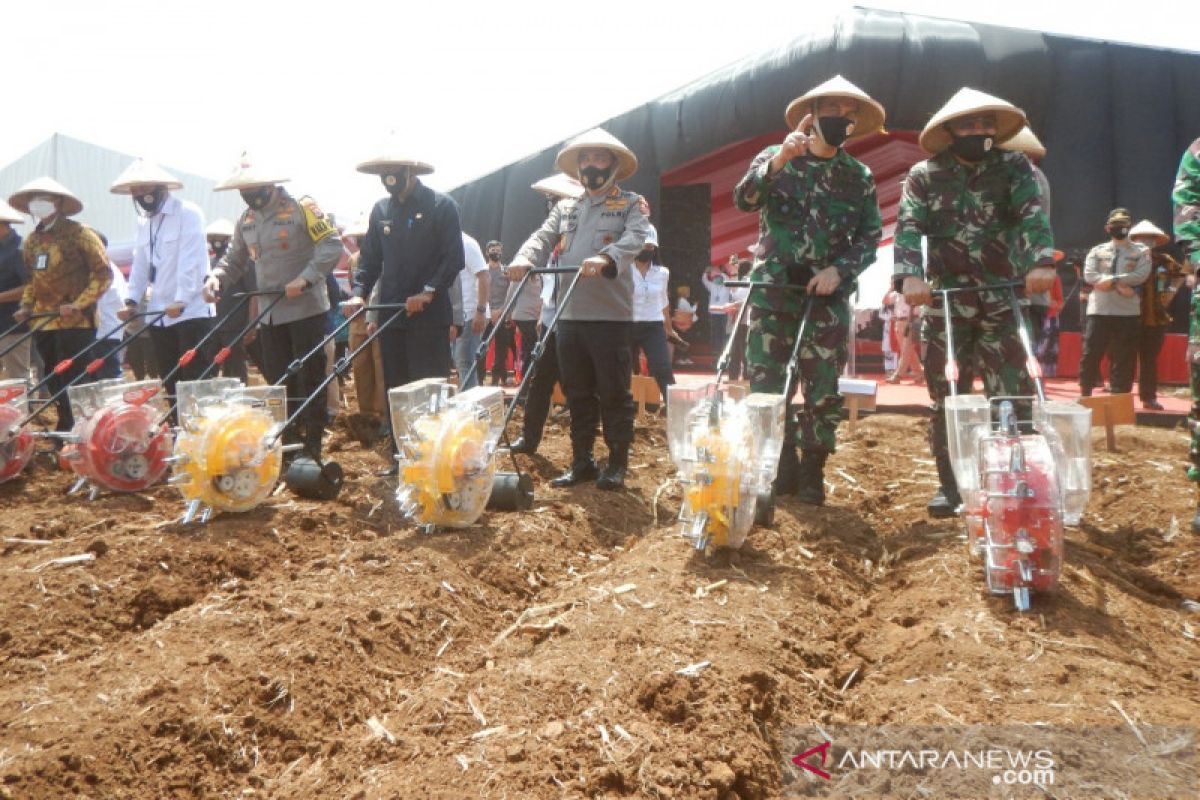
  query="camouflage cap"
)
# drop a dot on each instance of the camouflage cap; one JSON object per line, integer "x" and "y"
{"x": 968, "y": 102}
{"x": 870, "y": 112}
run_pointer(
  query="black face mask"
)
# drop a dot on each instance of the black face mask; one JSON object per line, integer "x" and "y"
{"x": 646, "y": 256}
{"x": 834, "y": 130}
{"x": 151, "y": 201}
{"x": 1119, "y": 232}
{"x": 973, "y": 147}
{"x": 258, "y": 198}
{"x": 594, "y": 178}
{"x": 395, "y": 182}
{"x": 493, "y": 256}
{"x": 219, "y": 247}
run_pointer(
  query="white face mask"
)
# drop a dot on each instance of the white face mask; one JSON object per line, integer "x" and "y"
{"x": 40, "y": 209}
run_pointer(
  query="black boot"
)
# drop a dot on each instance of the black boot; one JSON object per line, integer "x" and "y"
{"x": 787, "y": 479}
{"x": 583, "y": 468}
{"x": 613, "y": 475}
{"x": 812, "y": 477}
{"x": 946, "y": 501}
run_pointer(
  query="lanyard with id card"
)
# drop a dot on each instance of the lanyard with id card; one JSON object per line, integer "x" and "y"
{"x": 43, "y": 261}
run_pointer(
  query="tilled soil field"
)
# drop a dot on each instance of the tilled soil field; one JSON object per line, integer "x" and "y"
{"x": 582, "y": 649}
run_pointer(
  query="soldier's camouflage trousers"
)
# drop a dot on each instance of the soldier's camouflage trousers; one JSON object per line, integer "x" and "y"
{"x": 769, "y": 340}
{"x": 986, "y": 344}
{"x": 1194, "y": 374}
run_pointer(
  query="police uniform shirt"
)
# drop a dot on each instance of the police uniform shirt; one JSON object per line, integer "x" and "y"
{"x": 611, "y": 224}
{"x": 288, "y": 239}
{"x": 410, "y": 246}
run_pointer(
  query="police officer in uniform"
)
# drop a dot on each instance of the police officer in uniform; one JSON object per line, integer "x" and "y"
{"x": 414, "y": 248}
{"x": 292, "y": 246}
{"x": 601, "y": 233}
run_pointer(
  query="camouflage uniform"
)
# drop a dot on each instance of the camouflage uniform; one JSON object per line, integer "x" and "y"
{"x": 985, "y": 224}
{"x": 816, "y": 213}
{"x": 1186, "y": 198}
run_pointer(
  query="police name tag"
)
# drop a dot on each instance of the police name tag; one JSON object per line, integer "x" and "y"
{"x": 43, "y": 261}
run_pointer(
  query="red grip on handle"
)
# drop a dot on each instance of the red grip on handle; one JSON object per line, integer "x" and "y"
{"x": 63, "y": 366}
{"x": 187, "y": 357}
{"x": 222, "y": 355}
{"x": 93, "y": 367}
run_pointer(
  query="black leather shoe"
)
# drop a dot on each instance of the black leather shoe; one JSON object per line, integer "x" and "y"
{"x": 612, "y": 477}
{"x": 1153, "y": 405}
{"x": 520, "y": 445}
{"x": 944, "y": 504}
{"x": 581, "y": 471}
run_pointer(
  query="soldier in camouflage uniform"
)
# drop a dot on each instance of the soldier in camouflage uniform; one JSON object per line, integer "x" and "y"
{"x": 981, "y": 210}
{"x": 819, "y": 227}
{"x": 1186, "y": 198}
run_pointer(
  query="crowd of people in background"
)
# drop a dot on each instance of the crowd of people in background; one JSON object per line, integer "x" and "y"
{"x": 585, "y": 300}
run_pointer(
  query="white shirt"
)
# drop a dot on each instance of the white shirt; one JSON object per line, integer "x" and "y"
{"x": 476, "y": 264}
{"x": 718, "y": 292}
{"x": 649, "y": 293}
{"x": 112, "y": 301}
{"x": 738, "y": 296}
{"x": 171, "y": 244}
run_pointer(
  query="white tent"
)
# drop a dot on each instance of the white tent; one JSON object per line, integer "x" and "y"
{"x": 88, "y": 170}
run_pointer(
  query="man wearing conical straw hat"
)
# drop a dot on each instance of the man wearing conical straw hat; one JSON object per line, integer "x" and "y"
{"x": 1158, "y": 292}
{"x": 819, "y": 227}
{"x": 170, "y": 256}
{"x": 600, "y": 233}
{"x": 1186, "y": 199}
{"x": 292, "y": 246}
{"x": 981, "y": 211}
{"x": 68, "y": 272}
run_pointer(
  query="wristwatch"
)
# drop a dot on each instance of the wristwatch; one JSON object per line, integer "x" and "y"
{"x": 430, "y": 290}
{"x": 480, "y": 309}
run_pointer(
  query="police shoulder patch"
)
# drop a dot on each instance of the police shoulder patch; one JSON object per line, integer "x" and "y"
{"x": 315, "y": 220}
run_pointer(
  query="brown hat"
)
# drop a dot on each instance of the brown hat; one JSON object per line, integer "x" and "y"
{"x": 1146, "y": 228}
{"x": 71, "y": 205}
{"x": 870, "y": 113}
{"x": 968, "y": 102}
{"x": 567, "y": 160}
